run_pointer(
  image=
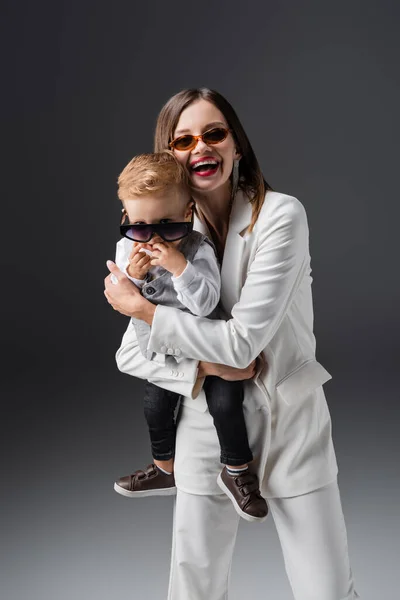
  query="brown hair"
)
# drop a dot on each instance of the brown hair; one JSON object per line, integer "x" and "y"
{"x": 151, "y": 173}
{"x": 251, "y": 179}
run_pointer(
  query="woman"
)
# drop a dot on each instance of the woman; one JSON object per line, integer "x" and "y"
{"x": 262, "y": 240}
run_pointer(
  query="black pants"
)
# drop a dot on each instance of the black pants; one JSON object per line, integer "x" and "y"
{"x": 224, "y": 399}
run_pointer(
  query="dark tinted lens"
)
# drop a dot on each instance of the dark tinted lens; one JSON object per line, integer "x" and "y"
{"x": 173, "y": 231}
{"x": 184, "y": 142}
{"x": 214, "y": 136}
{"x": 138, "y": 233}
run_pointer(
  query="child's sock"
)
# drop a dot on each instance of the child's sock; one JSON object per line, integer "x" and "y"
{"x": 163, "y": 470}
{"x": 234, "y": 471}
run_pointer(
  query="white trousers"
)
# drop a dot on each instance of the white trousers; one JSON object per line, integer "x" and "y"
{"x": 312, "y": 534}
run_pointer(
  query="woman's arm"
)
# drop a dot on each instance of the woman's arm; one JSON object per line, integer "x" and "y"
{"x": 268, "y": 290}
{"x": 186, "y": 378}
{"x": 180, "y": 378}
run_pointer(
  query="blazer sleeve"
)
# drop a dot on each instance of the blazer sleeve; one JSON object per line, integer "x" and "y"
{"x": 179, "y": 378}
{"x": 271, "y": 282}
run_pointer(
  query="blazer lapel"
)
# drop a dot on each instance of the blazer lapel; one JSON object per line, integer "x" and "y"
{"x": 200, "y": 226}
{"x": 239, "y": 220}
{"x": 232, "y": 264}
{"x": 231, "y": 268}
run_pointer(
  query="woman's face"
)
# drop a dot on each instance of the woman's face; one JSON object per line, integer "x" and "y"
{"x": 196, "y": 119}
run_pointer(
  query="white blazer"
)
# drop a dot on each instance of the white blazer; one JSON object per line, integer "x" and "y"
{"x": 266, "y": 287}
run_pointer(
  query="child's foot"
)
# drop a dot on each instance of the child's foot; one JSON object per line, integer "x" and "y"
{"x": 243, "y": 490}
{"x": 150, "y": 482}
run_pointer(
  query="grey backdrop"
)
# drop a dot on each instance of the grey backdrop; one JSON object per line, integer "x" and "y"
{"x": 316, "y": 85}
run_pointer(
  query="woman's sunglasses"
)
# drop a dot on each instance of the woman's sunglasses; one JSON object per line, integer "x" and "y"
{"x": 169, "y": 232}
{"x": 210, "y": 137}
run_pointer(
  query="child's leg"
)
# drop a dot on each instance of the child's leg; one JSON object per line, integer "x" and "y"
{"x": 157, "y": 479}
{"x": 225, "y": 403}
{"x": 159, "y": 411}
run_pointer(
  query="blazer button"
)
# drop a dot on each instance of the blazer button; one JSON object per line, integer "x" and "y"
{"x": 150, "y": 290}
{"x": 163, "y": 349}
{"x": 170, "y": 351}
{"x": 177, "y": 352}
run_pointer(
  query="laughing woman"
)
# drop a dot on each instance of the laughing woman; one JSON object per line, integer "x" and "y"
{"x": 261, "y": 237}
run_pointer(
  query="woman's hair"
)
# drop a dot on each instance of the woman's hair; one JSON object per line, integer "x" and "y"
{"x": 251, "y": 179}
{"x": 151, "y": 173}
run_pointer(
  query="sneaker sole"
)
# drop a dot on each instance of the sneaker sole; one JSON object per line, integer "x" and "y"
{"x": 142, "y": 493}
{"x": 239, "y": 511}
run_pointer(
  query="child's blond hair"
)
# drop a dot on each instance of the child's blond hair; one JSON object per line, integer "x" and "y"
{"x": 151, "y": 173}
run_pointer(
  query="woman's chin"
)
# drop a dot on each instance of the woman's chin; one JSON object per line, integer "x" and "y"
{"x": 205, "y": 185}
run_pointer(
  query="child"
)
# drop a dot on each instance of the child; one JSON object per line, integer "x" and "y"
{"x": 176, "y": 266}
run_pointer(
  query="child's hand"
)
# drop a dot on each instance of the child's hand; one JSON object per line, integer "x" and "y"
{"x": 167, "y": 256}
{"x": 139, "y": 262}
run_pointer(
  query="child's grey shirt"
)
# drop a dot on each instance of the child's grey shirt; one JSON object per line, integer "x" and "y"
{"x": 196, "y": 290}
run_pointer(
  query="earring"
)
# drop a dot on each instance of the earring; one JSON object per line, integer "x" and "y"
{"x": 235, "y": 178}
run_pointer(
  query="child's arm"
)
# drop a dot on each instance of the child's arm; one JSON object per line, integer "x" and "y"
{"x": 197, "y": 283}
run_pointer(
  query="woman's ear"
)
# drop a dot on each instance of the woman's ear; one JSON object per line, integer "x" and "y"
{"x": 237, "y": 155}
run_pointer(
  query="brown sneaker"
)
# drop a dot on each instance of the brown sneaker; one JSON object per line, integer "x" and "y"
{"x": 244, "y": 492}
{"x": 151, "y": 482}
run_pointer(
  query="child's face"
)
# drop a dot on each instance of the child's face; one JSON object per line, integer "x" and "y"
{"x": 163, "y": 207}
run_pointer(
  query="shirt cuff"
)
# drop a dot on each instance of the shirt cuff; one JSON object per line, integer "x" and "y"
{"x": 138, "y": 282}
{"x": 189, "y": 388}
{"x": 185, "y": 278}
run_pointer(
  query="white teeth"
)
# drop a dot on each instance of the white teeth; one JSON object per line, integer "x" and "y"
{"x": 207, "y": 161}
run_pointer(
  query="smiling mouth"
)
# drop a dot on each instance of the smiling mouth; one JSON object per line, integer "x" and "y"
{"x": 207, "y": 165}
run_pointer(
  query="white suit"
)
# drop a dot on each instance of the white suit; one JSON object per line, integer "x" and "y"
{"x": 266, "y": 287}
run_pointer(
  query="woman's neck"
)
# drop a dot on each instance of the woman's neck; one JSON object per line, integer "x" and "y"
{"x": 214, "y": 210}
{"x": 214, "y": 206}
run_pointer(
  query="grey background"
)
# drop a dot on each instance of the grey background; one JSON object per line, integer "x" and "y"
{"x": 316, "y": 85}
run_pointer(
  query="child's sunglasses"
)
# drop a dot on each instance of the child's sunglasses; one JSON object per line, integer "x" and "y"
{"x": 213, "y": 136}
{"x": 169, "y": 232}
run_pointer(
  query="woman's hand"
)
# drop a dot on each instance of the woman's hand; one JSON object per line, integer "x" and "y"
{"x": 226, "y": 372}
{"x": 125, "y": 297}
